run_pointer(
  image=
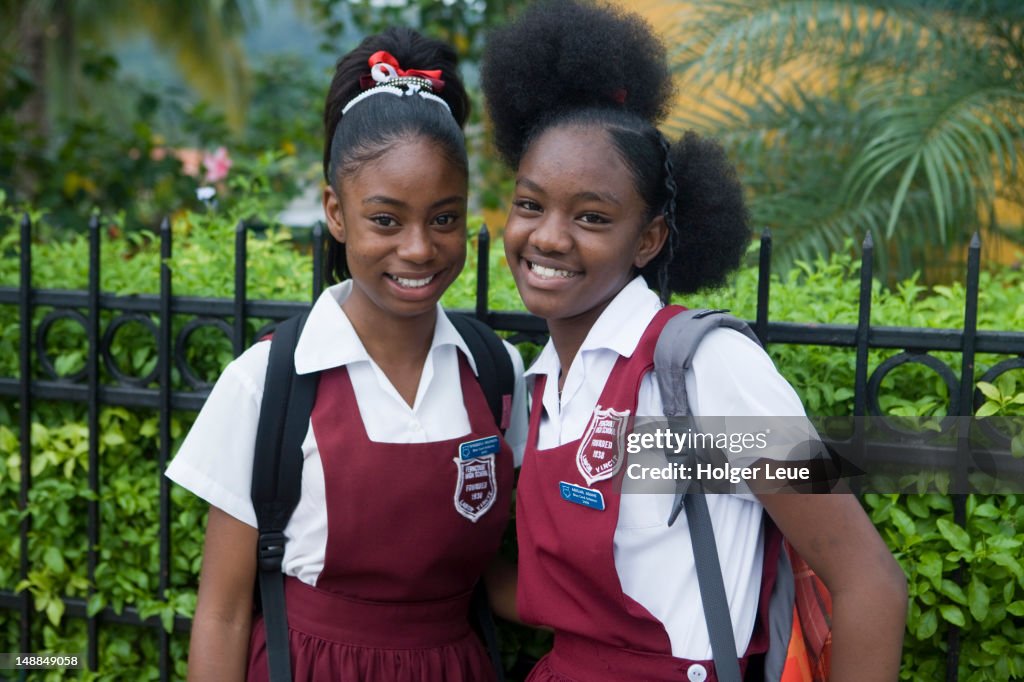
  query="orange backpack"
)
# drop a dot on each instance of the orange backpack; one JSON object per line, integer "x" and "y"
{"x": 810, "y": 644}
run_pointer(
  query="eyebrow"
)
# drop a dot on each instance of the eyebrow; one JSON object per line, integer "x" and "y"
{"x": 391, "y": 201}
{"x": 579, "y": 196}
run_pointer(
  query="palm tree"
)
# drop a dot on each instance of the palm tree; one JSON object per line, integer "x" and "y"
{"x": 904, "y": 118}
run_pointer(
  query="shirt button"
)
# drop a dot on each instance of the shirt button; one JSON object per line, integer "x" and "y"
{"x": 415, "y": 426}
{"x": 697, "y": 673}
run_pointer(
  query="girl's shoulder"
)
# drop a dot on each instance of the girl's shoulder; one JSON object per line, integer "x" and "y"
{"x": 733, "y": 375}
{"x": 249, "y": 370}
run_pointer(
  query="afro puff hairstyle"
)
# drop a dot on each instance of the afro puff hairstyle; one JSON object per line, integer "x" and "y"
{"x": 560, "y": 55}
{"x": 588, "y": 65}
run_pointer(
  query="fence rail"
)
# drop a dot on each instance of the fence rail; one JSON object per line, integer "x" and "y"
{"x": 231, "y": 317}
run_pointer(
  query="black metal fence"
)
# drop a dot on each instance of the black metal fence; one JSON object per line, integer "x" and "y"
{"x": 231, "y": 317}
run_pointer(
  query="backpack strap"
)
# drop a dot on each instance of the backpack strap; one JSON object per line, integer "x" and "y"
{"x": 496, "y": 376}
{"x": 673, "y": 356}
{"x": 277, "y": 478}
{"x": 494, "y": 368}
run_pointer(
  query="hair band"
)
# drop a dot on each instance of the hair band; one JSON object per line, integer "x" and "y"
{"x": 386, "y": 76}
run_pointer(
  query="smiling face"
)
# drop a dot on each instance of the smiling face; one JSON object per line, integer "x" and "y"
{"x": 578, "y": 229}
{"x": 402, "y": 219}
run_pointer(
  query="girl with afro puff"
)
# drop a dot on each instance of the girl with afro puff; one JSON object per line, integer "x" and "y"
{"x": 607, "y": 214}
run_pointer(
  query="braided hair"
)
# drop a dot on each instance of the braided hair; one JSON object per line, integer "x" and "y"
{"x": 592, "y": 65}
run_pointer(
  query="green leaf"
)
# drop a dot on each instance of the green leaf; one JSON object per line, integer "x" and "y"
{"x": 1001, "y": 542}
{"x": 955, "y": 535}
{"x": 987, "y": 410}
{"x": 1016, "y": 608}
{"x": 986, "y": 510}
{"x": 96, "y": 603}
{"x": 167, "y": 619}
{"x": 54, "y": 611}
{"x": 953, "y": 591}
{"x": 54, "y": 560}
{"x": 1017, "y": 446}
{"x": 903, "y": 522}
{"x": 989, "y": 391}
{"x": 927, "y": 625}
{"x": 1009, "y": 562}
{"x": 978, "y": 599}
{"x": 996, "y": 647}
{"x": 930, "y": 565}
{"x": 953, "y": 614}
{"x": 113, "y": 438}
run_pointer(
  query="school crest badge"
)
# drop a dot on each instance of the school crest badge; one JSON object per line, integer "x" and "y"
{"x": 600, "y": 454}
{"x": 476, "y": 488}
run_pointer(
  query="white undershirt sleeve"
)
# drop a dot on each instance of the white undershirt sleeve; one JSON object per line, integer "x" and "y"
{"x": 518, "y": 425}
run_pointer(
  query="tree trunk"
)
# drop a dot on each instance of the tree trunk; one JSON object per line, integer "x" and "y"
{"x": 30, "y": 50}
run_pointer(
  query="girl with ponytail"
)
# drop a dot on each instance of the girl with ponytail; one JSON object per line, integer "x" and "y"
{"x": 609, "y": 218}
{"x": 397, "y": 521}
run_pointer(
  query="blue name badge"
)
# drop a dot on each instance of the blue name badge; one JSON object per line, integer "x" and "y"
{"x": 577, "y": 494}
{"x": 481, "y": 447}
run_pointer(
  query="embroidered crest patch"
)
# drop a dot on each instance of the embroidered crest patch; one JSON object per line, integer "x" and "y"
{"x": 476, "y": 488}
{"x": 600, "y": 453}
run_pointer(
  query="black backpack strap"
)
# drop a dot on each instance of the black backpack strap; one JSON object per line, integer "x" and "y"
{"x": 481, "y": 611}
{"x": 493, "y": 365}
{"x": 497, "y": 379}
{"x": 276, "y": 480}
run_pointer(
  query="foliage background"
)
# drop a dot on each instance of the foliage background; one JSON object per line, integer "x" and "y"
{"x": 902, "y": 118}
{"x": 989, "y": 606}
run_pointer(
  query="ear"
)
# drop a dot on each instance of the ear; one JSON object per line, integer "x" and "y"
{"x": 332, "y": 209}
{"x": 652, "y": 239}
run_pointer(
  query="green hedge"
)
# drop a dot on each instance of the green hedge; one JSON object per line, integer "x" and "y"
{"x": 989, "y": 606}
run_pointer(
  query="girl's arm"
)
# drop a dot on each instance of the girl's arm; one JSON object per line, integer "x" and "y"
{"x": 869, "y": 589}
{"x": 500, "y": 580}
{"x": 219, "y": 649}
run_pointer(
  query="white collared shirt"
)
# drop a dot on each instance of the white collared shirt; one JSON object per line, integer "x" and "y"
{"x": 216, "y": 458}
{"x": 730, "y": 376}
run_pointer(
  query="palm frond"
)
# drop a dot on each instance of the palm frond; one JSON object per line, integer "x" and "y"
{"x": 952, "y": 135}
{"x": 745, "y": 40}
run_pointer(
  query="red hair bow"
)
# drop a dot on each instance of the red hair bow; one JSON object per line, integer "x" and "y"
{"x": 383, "y": 67}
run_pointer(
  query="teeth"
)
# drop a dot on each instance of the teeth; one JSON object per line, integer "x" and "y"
{"x": 550, "y": 273}
{"x": 412, "y": 283}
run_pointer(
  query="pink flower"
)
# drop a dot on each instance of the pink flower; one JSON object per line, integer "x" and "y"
{"x": 217, "y": 165}
{"x": 190, "y": 161}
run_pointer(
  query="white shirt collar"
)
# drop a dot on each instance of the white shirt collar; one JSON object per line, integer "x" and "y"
{"x": 618, "y": 328}
{"x": 329, "y": 340}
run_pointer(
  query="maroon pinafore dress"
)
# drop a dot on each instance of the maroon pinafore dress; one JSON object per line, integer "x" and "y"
{"x": 567, "y": 575}
{"x": 392, "y": 601}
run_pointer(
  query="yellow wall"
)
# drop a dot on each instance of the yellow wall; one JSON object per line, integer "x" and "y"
{"x": 664, "y": 15}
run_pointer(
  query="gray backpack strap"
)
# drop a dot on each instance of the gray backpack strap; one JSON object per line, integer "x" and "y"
{"x": 673, "y": 356}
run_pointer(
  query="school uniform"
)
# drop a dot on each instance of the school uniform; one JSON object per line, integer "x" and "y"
{"x": 619, "y": 586}
{"x": 393, "y": 528}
